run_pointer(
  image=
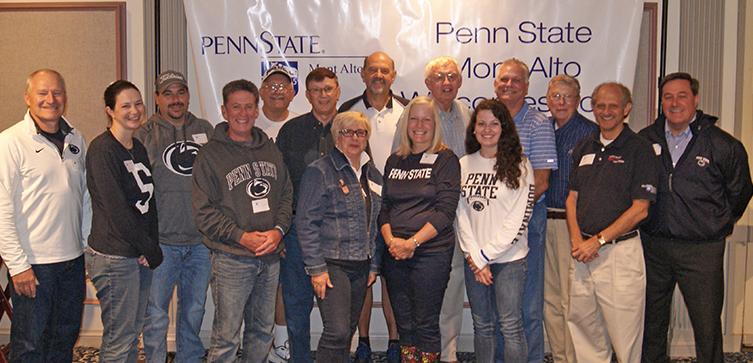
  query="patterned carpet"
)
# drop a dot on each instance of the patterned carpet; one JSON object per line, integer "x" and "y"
{"x": 86, "y": 355}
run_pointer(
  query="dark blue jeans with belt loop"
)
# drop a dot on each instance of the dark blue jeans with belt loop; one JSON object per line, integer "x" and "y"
{"x": 416, "y": 287}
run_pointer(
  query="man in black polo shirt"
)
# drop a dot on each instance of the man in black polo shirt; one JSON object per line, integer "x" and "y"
{"x": 612, "y": 185}
{"x": 303, "y": 140}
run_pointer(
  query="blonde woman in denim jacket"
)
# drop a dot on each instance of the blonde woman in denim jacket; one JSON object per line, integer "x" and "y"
{"x": 336, "y": 217}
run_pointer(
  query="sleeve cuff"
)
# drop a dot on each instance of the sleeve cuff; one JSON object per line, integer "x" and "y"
{"x": 479, "y": 259}
{"x": 237, "y": 235}
{"x": 316, "y": 270}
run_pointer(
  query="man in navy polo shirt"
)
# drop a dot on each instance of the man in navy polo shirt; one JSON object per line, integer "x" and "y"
{"x": 563, "y": 98}
{"x": 611, "y": 189}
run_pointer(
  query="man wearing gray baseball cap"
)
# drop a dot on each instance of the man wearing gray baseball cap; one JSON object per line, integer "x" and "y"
{"x": 172, "y": 137}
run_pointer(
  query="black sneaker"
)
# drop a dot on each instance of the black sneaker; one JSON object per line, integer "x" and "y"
{"x": 363, "y": 353}
{"x": 393, "y": 353}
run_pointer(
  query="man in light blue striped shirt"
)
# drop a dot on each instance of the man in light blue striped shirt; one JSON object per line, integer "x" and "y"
{"x": 537, "y": 138}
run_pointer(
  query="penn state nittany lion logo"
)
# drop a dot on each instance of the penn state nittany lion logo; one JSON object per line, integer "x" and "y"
{"x": 179, "y": 157}
{"x": 258, "y": 188}
{"x": 477, "y": 205}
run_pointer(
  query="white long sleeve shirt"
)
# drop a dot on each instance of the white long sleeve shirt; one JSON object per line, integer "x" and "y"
{"x": 493, "y": 219}
{"x": 45, "y": 210}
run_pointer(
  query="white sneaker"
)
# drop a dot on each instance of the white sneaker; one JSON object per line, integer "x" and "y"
{"x": 279, "y": 353}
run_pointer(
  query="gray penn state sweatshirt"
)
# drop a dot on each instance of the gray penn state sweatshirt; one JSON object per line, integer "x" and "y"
{"x": 172, "y": 151}
{"x": 240, "y": 187}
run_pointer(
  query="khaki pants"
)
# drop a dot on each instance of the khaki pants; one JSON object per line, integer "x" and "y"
{"x": 451, "y": 317}
{"x": 607, "y": 304}
{"x": 558, "y": 270}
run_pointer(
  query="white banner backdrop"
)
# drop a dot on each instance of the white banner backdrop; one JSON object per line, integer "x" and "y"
{"x": 593, "y": 40}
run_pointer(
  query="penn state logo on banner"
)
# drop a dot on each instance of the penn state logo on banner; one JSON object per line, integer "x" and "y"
{"x": 258, "y": 188}
{"x": 291, "y": 66}
{"x": 179, "y": 157}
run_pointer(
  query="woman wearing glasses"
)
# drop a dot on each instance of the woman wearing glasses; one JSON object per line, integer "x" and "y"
{"x": 340, "y": 197}
{"x": 421, "y": 189}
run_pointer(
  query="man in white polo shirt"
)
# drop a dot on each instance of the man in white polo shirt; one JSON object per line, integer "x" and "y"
{"x": 383, "y": 108}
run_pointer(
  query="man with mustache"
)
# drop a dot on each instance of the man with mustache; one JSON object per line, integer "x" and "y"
{"x": 704, "y": 188}
{"x": 276, "y": 92}
{"x": 612, "y": 184}
{"x": 172, "y": 137}
{"x": 383, "y": 108}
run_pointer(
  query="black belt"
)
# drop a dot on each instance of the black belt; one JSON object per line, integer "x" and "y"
{"x": 556, "y": 214}
{"x": 624, "y": 237}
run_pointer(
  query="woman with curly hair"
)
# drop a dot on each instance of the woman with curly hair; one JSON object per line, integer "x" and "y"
{"x": 496, "y": 202}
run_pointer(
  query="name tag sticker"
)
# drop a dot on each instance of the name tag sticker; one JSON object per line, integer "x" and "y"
{"x": 200, "y": 138}
{"x": 376, "y": 188}
{"x": 587, "y": 159}
{"x": 429, "y": 158}
{"x": 657, "y": 149}
{"x": 260, "y": 205}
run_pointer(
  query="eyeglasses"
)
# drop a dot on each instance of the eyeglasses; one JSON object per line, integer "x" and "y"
{"x": 349, "y": 133}
{"x": 440, "y": 77}
{"x": 275, "y": 87}
{"x": 556, "y": 97}
{"x": 326, "y": 90}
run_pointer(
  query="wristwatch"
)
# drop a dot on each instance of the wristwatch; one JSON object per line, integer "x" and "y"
{"x": 601, "y": 239}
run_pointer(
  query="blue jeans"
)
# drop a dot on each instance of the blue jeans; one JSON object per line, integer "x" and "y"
{"x": 341, "y": 308}
{"x": 298, "y": 299}
{"x": 416, "y": 287}
{"x": 533, "y": 295}
{"x": 123, "y": 291}
{"x": 243, "y": 291}
{"x": 498, "y": 305}
{"x": 188, "y": 268}
{"x": 45, "y": 328}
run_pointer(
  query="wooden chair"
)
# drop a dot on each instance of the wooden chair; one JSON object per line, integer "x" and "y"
{"x": 5, "y": 308}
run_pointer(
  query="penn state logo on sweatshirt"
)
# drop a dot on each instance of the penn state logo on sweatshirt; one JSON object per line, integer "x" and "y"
{"x": 256, "y": 174}
{"x": 479, "y": 189}
{"x": 179, "y": 157}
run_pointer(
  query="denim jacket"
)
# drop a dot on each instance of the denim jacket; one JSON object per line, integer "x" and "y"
{"x": 331, "y": 214}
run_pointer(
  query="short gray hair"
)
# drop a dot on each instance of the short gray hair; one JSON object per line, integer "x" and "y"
{"x": 440, "y": 61}
{"x": 30, "y": 79}
{"x": 566, "y": 80}
{"x": 519, "y": 63}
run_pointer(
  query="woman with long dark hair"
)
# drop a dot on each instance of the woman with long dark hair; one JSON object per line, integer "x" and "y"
{"x": 123, "y": 245}
{"x": 496, "y": 202}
